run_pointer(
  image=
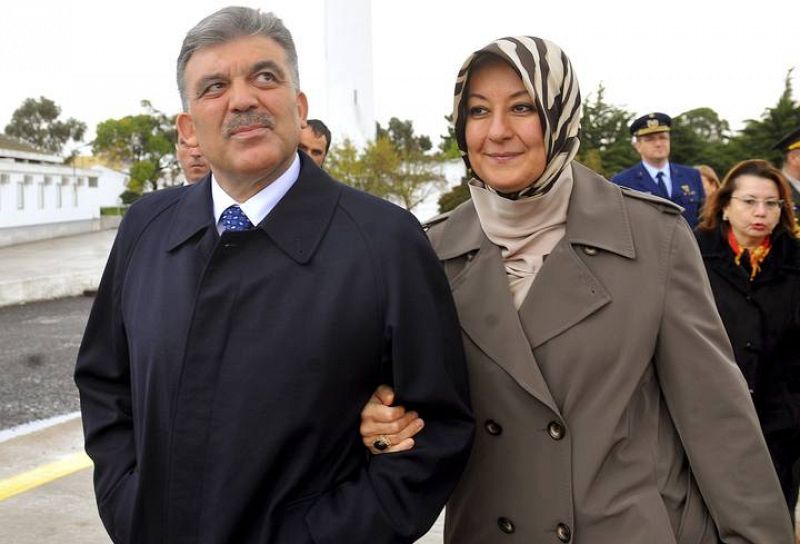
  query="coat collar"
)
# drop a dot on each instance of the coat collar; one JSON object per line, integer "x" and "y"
{"x": 567, "y": 287}
{"x": 596, "y": 218}
{"x": 296, "y": 225}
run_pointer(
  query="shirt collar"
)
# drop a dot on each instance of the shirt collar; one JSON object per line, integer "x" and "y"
{"x": 652, "y": 170}
{"x": 258, "y": 206}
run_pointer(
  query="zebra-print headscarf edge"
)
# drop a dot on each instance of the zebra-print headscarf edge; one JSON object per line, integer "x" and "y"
{"x": 547, "y": 74}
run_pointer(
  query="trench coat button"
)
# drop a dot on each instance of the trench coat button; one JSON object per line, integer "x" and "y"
{"x": 556, "y": 430}
{"x": 505, "y": 525}
{"x": 470, "y": 256}
{"x": 589, "y": 250}
{"x": 563, "y": 533}
{"x": 492, "y": 427}
{"x": 748, "y": 345}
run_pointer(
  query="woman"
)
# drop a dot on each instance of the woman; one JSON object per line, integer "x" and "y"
{"x": 709, "y": 178}
{"x": 748, "y": 239}
{"x": 609, "y": 406}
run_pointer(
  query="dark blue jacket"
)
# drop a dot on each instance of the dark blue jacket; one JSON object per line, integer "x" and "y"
{"x": 222, "y": 377}
{"x": 687, "y": 189}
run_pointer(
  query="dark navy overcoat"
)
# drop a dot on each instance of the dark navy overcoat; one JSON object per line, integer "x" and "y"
{"x": 222, "y": 377}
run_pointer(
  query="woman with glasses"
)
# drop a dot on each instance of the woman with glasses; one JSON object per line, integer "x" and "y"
{"x": 748, "y": 239}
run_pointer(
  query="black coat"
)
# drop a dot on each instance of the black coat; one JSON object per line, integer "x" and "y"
{"x": 222, "y": 377}
{"x": 762, "y": 318}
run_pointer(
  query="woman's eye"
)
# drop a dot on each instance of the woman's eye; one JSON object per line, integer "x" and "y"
{"x": 476, "y": 111}
{"x": 523, "y": 108}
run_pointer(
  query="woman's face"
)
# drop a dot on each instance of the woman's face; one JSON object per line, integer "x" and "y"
{"x": 503, "y": 132}
{"x": 752, "y": 211}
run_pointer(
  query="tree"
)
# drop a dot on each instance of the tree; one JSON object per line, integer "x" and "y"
{"x": 759, "y": 136}
{"x": 605, "y": 140}
{"x": 394, "y": 166}
{"x": 145, "y": 143}
{"x": 700, "y": 136}
{"x": 448, "y": 146}
{"x": 37, "y": 122}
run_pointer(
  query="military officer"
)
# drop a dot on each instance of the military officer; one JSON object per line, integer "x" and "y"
{"x": 789, "y": 145}
{"x": 655, "y": 174}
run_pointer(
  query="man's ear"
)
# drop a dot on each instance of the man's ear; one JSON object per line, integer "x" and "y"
{"x": 185, "y": 126}
{"x": 302, "y": 108}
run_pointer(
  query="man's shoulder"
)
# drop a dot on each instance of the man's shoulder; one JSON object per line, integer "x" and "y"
{"x": 363, "y": 206}
{"x": 634, "y": 172}
{"x": 687, "y": 171}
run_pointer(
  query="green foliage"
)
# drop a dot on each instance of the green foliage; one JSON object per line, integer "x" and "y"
{"x": 448, "y": 146}
{"x": 394, "y": 166}
{"x": 455, "y": 196}
{"x": 129, "y": 196}
{"x": 605, "y": 139}
{"x": 145, "y": 143}
{"x": 36, "y": 121}
{"x": 113, "y": 210}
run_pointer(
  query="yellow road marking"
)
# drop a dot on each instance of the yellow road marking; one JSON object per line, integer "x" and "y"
{"x": 43, "y": 474}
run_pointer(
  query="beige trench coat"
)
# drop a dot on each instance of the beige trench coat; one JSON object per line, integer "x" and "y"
{"x": 609, "y": 408}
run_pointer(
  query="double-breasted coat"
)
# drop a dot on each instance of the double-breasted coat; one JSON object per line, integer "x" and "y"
{"x": 222, "y": 377}
{"x": 687, "y": 187}
{"x": 762, "y": 318}
{"x": 608, "y": 409}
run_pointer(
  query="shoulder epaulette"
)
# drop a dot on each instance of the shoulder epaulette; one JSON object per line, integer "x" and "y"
{"x": 666, "y": 206}
{"x": 436, "y": 220}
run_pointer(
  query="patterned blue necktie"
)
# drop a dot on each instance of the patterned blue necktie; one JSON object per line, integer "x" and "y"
{"x": 233, "y": 218}
{"x": 661, "y": 185}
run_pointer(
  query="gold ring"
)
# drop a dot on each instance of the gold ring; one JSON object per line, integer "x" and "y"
{"x": 382, "y": 443}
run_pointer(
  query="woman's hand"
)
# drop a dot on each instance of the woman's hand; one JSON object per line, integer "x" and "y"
{"x": 389, "y": 426}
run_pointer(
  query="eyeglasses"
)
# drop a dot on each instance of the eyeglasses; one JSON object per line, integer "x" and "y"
{"x": 772, "y": 204}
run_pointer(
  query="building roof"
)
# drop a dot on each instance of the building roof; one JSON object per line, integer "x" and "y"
{"x": 14, "y": 148}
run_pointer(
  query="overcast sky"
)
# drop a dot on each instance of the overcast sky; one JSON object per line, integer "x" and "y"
{"x": 98, "y": 60}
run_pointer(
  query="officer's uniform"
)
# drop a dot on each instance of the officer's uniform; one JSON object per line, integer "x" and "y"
{"x": 789, "y": 143}
{"x": 687, "y": 188}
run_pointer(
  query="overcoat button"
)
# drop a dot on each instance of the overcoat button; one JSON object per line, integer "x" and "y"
{"x": 556, "y": 430}
{"x": 563, "y": 533}
{"x": 590, "y": 250}
{"x": 470, "y": 256}
{"x": 748, "y": 345}
{"x": 505, "y": 525}
{"x": 492, "y": 427}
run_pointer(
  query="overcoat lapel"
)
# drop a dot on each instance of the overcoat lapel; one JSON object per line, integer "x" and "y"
{"x": 485, "y": 307}
{"x": 566, "y": 286}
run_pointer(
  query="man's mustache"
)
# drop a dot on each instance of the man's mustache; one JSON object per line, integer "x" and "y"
{"x": 248, "y": 119}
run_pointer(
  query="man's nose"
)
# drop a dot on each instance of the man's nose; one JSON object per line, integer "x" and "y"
{"x": 242, "y": 96}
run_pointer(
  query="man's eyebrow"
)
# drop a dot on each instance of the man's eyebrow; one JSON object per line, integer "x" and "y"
{"x": 269, "y": 65}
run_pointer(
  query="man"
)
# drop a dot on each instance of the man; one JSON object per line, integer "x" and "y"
{"x": 193, "y": 164}
{"x": 315, "y": 140}
{"x": 224, "y": 366}
{"x": 789, "y": 145}
{"x": 655, "y": 174}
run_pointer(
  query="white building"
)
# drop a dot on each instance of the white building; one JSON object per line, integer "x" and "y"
{"x": 40, "y": 197}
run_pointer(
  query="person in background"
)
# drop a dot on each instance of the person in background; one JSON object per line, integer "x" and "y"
{"x": 192, "y": 162}
{"x": 605, "y": 414}
{"x": 231, "y": 309}
{"x": 655, "y": 173}
{"x": 315, "y": 140}
{"x": 789, "y": 145}
{"x": 748, "y": 239}
{"x": 709, "y": 178}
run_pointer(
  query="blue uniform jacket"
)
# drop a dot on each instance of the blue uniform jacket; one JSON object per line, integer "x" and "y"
{"x": 687, "y": 189}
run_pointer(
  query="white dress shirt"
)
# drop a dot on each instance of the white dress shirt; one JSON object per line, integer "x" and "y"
{"x": 653, "y": 171}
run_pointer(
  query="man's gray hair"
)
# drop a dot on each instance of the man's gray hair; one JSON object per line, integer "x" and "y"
{"x": 228, "y": 24}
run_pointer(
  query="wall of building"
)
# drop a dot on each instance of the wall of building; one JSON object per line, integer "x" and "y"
{"x": 39, "y": 201}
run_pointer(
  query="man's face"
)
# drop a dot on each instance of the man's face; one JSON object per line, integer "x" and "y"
{"x": 653, "y": 148}
{"x": 193, "y": 163}
{"x": 244, "y": 111}
{"x": 313, "y": 145}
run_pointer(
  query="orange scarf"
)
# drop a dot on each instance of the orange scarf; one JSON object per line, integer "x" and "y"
{"x": 757, "y": 255}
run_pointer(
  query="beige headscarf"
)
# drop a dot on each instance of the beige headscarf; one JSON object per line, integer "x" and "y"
{"x": 547, "y": 75}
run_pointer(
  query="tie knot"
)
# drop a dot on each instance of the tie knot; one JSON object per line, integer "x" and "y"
{"x": 233, "y": 218}
{"x": 660, "y": 176}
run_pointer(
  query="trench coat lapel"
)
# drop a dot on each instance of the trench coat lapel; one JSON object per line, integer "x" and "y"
{"x": 485, "y": 308}
{"x": 566, "y": 290}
